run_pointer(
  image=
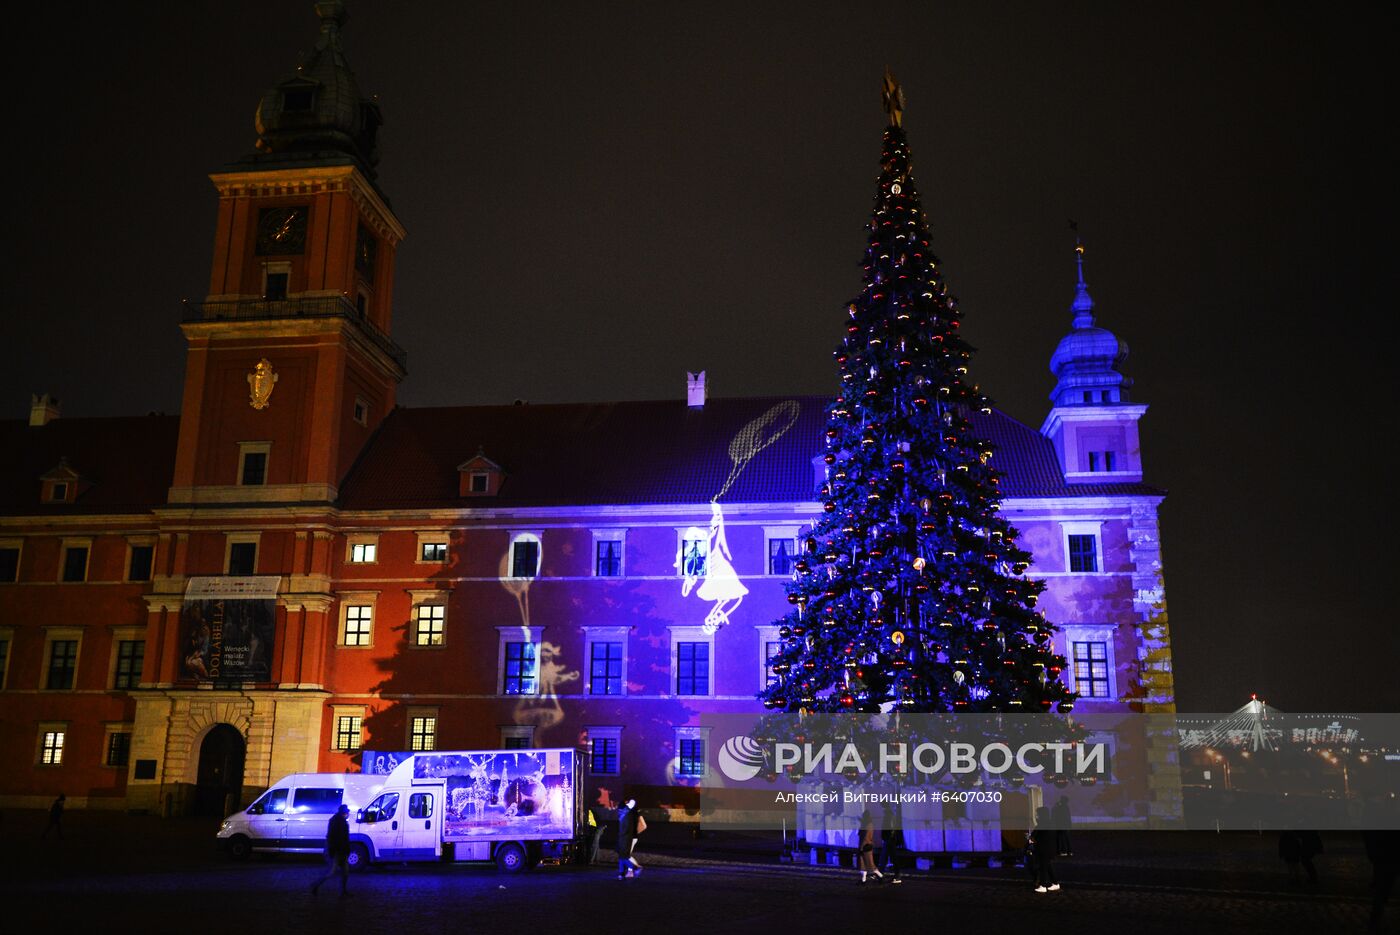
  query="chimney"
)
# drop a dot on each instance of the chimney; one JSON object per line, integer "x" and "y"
{"x": 43, "y": 409}
{"x": 695, "y": 390}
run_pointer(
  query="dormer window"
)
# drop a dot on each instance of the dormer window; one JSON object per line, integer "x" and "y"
{"x": 479, "y": 477}
{"x": 62, "y": 484}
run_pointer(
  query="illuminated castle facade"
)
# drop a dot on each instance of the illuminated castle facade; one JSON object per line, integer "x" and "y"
{"x": 295, "y": 571}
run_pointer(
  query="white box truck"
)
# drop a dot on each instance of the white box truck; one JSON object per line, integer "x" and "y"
{"x": 514, "y": 807}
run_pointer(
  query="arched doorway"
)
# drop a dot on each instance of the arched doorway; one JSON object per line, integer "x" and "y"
{"x": 220, "y": 779}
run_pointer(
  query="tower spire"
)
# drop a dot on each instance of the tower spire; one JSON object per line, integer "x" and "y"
{"x": 1083, "y": 306}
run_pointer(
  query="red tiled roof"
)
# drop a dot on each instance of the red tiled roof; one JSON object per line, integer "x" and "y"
{"x": 644, "y": 452}
{"x": 128, "y": 463}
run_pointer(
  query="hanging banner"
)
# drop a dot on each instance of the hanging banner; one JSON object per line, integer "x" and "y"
{"x": 228, "y": 626}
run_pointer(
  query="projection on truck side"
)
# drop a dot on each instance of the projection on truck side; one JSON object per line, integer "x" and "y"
{"x": 524, "y": 792}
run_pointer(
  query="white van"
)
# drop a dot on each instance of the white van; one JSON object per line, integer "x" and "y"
{"x": 292, "y": 815}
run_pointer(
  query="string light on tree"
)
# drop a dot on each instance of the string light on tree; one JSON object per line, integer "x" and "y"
{"x": 915, "y": 578}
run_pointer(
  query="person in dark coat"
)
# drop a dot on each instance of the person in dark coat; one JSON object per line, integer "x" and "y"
{"x": 1383, "y": 850}
{"x": 630, "y": 824}
{"x": 865, "y": 857}
{"x": 891, "y": 845}
{"x": 55, "y": 817}
{"x": 595, "y": 833}
{"x": 1061, "y": 819}
{"x": 1043, "y": 852}
{"x": 337, "y": 850}
{"x": 1298, "y": 848}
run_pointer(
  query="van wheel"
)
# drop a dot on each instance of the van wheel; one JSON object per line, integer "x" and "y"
{"x": 239, "y": 847}
{"x": 510, "y": 858}
{"x": 358, "y": 858}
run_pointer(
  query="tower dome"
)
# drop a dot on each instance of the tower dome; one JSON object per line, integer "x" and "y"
{"x": 318, "y": 116}
{"x": 1086, "y": 361}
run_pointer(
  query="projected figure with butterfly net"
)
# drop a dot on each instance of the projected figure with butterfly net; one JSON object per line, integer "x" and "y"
{"x": 704, "y": 553}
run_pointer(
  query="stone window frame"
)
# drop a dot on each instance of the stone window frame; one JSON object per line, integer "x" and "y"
{"x": 604, "y": 634}
{"x": 348, "y": 599}
{"x": 433, "y": 598}
{"x": 1091, "y": 633}
{"x": 1083, "y": 528}
{"x": 525, "y": 535}
{"x": 609, "y": 534}
{"x": 139, "y": 542}
{"x": 7, "y": 636}
{"x": 16, "y": 543}
{"x": 362, "y": 539}
{"x": 51, "y": 727}
{"x": 60, "y": 634}
{"x": 249, "y": 448}
{"x": 691, "y": 733}
{"x": 689, "y": 634}
{"x": 771, "y": 533}
{"x": 342, "y": 711}
{"x": 126, "y": 634}
{"x": 766, "y": 634}
{"x": 232, "y": 539}
{"x": 611, "y": 732}
{"x": 74, "y": 542}
{"x": 517, "y": 634}
{"x": 116, "y": 727}
{"x": 443, "y": 538}
{"x": 417, "y": 713}
{"x": 518, "y": 731}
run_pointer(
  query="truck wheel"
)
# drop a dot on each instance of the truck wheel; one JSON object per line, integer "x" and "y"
{"x": 358, "y": 858}
{"x": 510, "y": 858}
{"x": 239, "y": 847}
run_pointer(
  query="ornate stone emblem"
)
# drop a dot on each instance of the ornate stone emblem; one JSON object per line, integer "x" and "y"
{"x": 260, "y": 384}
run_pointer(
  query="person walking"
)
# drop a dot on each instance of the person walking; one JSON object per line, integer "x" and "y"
{"x": 891, "y": 845}
{"x": 55, "y": 817}
{"x": 337, "y": 850}
{"x": 1297, "y": 849}
{"x": 1062, "y": 819}
{"x": 1042, "y": 840}
{"x": 630, "y": 824}
{"x": 595, "y": 834}
{"x": 865, "y": 858}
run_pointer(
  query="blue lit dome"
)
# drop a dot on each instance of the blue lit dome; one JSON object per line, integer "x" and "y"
{"x": 1086, "y": 360}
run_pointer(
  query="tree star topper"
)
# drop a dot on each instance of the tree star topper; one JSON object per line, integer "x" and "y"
{"x": 260, "y": 384}
{"x": 893, "y": 98}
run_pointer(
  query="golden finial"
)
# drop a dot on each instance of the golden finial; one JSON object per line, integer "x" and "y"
{"x": 893, "y": 98}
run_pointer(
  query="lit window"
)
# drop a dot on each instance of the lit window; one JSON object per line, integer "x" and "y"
{"x": 118, "y": 748}
{"x": 690, "y": 756}
{"x": 434, "y": 552}
{"x": 693, "y": 557}
{"x": 349, "y": 731}
{"x": 693, "y": 668}
{"x": 431, "y": 621}
{"x": 422, "y": 732}
{"x": 363, "y": 552}
{"x": 605, "y": 668}
{"x": 609, "y": 561}
{"x": 520, "y": 667}
{"x": 51, "y": 747}
{"x": 1083, "y": 553}
{"x": 359, "y": 625}
{"x": 1090, "y": 660}
{"x": 780, "y": 556}
{"x": 63, "y": 664}
{"x": 605, "y": 751}
{"x": 75, "y": 561}
{"x": 131, "y": 655}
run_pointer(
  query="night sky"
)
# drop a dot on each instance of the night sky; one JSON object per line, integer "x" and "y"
{"x": 602, "y": 196}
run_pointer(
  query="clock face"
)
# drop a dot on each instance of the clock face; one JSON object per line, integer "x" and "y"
{"x": 282, "y": 231}
{"x": 366, "y": 249}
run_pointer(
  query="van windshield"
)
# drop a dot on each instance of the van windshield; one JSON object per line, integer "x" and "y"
{"x": 273, "y": 803}
{"x": 317, "y": 801}
{"x": 382, "y": 808}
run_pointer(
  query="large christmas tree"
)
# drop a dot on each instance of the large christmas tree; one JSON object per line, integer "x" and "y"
{"x": 910, "y": 591}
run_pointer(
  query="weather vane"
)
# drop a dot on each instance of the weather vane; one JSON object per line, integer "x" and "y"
{"x": 893, "y": 98}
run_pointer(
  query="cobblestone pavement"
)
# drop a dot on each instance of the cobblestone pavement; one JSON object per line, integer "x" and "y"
{"x": 117, "y": 873}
